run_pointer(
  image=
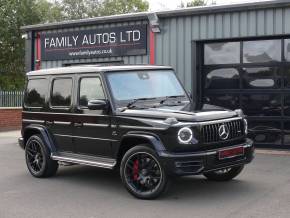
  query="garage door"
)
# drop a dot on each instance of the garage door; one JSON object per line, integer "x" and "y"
{"x": 253, "y": 75}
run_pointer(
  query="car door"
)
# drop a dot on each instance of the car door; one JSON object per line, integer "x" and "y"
{"x": 91, "y": 129}
{"x": 59, "y": 119}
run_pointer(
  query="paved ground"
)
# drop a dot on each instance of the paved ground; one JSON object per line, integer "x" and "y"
{"x": 262, "y": 190}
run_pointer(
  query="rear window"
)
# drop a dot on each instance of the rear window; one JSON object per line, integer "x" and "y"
{"x": 61, "y": 92}
{"x": 36, "y": 93}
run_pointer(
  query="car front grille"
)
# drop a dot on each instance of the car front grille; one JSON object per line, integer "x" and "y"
{"x": 210, "y": 132}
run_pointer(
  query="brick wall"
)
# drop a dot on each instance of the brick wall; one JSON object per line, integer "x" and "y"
{"x": 10, "y": 118}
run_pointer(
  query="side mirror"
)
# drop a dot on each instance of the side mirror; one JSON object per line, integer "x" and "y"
{"x": 97, "y": 104}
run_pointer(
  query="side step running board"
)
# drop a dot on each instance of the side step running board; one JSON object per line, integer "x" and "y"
{"x": 84, "y": 160}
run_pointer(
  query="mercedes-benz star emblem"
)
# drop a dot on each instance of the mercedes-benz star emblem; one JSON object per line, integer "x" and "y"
{"x": 224, "y": 132}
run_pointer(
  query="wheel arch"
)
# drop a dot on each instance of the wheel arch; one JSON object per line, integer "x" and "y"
{"x": 39, "y": 130}
{"x": 133, "y": 139}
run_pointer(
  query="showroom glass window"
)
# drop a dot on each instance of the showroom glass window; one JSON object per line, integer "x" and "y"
{"x": 262, "y": 51}
{"x": 253, "y": 75}
{"x": 222, "y": 53}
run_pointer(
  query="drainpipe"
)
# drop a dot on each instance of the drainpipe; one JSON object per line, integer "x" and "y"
{"x": 38, "y": 52}
{"x": 154, "y": 28}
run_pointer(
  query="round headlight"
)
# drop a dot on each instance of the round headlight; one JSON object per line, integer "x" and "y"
{"x": 185, "y": 135}
{"x": 246, "y": 126}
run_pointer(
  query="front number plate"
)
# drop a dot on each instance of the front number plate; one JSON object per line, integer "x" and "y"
{"x": 230, "y": 153}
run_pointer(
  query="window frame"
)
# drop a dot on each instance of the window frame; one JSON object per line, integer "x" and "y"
{"x": 51, "y": 93}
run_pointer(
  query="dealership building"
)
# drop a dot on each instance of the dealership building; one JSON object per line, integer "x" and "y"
{"x": 235, "y": 56}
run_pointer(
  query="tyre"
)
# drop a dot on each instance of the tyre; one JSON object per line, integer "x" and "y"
{"x": 224, "y": 174}
{"x": 142, "y": 173}
{"x": 38, "y": 159}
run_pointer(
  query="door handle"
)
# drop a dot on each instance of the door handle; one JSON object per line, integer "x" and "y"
{"x": 78, "y": 124}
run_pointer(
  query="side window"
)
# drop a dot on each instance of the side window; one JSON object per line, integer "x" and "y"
{"x": 61, "y": 92}
{"x": 36, "y": 93}
{"x": 90, "y": 89}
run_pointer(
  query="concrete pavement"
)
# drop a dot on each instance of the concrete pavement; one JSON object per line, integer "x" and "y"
{"x": 262, "y": 190}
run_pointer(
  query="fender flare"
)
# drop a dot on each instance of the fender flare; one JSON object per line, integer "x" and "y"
{"x": 153, "y": 139}
{"x": 44, "y": 133}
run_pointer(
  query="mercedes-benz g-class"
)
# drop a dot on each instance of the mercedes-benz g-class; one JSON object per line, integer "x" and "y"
{"x": 138, "y": 119}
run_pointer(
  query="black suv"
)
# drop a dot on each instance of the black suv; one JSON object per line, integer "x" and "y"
{"x": 138, "y": 119}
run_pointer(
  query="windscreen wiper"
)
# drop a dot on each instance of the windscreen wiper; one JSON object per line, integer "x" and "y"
{"x": 132, "y": 102}
{"x": 170, "y": 97}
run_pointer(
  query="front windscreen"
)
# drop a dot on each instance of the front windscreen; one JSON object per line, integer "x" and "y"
{"x": 144, "y": 84}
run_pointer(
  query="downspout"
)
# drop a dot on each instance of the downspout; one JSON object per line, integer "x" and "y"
{"x": 154, "y": 28}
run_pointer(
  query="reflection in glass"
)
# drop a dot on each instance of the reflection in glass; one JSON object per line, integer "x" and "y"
{"x": 228, "y": 101}
{"x": 286, "y": 139}
{"x": 262, "y": 77}
{"x": 61, "y": 94}
{"x": 144, "y": 84}
{"x": 260, "y": 137}
{"x": 90, "y": 89}
{"x": 287, "y": 78}
{"x": 287, "y": 105}
{"x": 36, "y": 92}
{"x": 261, "y": 104}
{"x": 222, "y": 53}
{"x": 261, "y": 125}
{"x": 265, "y": 131}
{"x": 261, "y": 51}
{"x": 225, "y": 78}
{"x": 287, "y": 133}
{"x": 287, "y": 49}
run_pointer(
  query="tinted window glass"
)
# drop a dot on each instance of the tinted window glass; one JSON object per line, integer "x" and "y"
{"x": 287, "y": 105}
{"x": 223, "y": 79}
{"x": 262, "y": 51}
{"x": 287, "y": 49}
{"x": 61, "y": 92}
{"x": 262, "y": 77}
{"x": 262, "y": 104}
{"x": 222, "y": 53}
{"x": 262, "y": 131}
{"x": 287, "y": 133}
{"x": 287, "y": 78}
{"x": 36, "y": 93}
{"x": 287, "y": 139}
{"x": 90, "y": 89}
{"x": 259, "y": 125}
{"x": 261, "y": 137}
{"x": 229, "y": 101}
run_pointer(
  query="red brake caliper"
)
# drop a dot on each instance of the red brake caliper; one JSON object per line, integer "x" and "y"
{"x": 135, "y": 170}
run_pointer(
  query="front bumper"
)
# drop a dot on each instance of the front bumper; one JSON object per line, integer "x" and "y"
{"x": 201, "y": 162}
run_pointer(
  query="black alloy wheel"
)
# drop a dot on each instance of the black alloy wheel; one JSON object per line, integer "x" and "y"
{"x": 38, "y": 158}
{"x": 142, "y": 173}
{"x": 224, "y": 174}
{"x": 34, "y": 155}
